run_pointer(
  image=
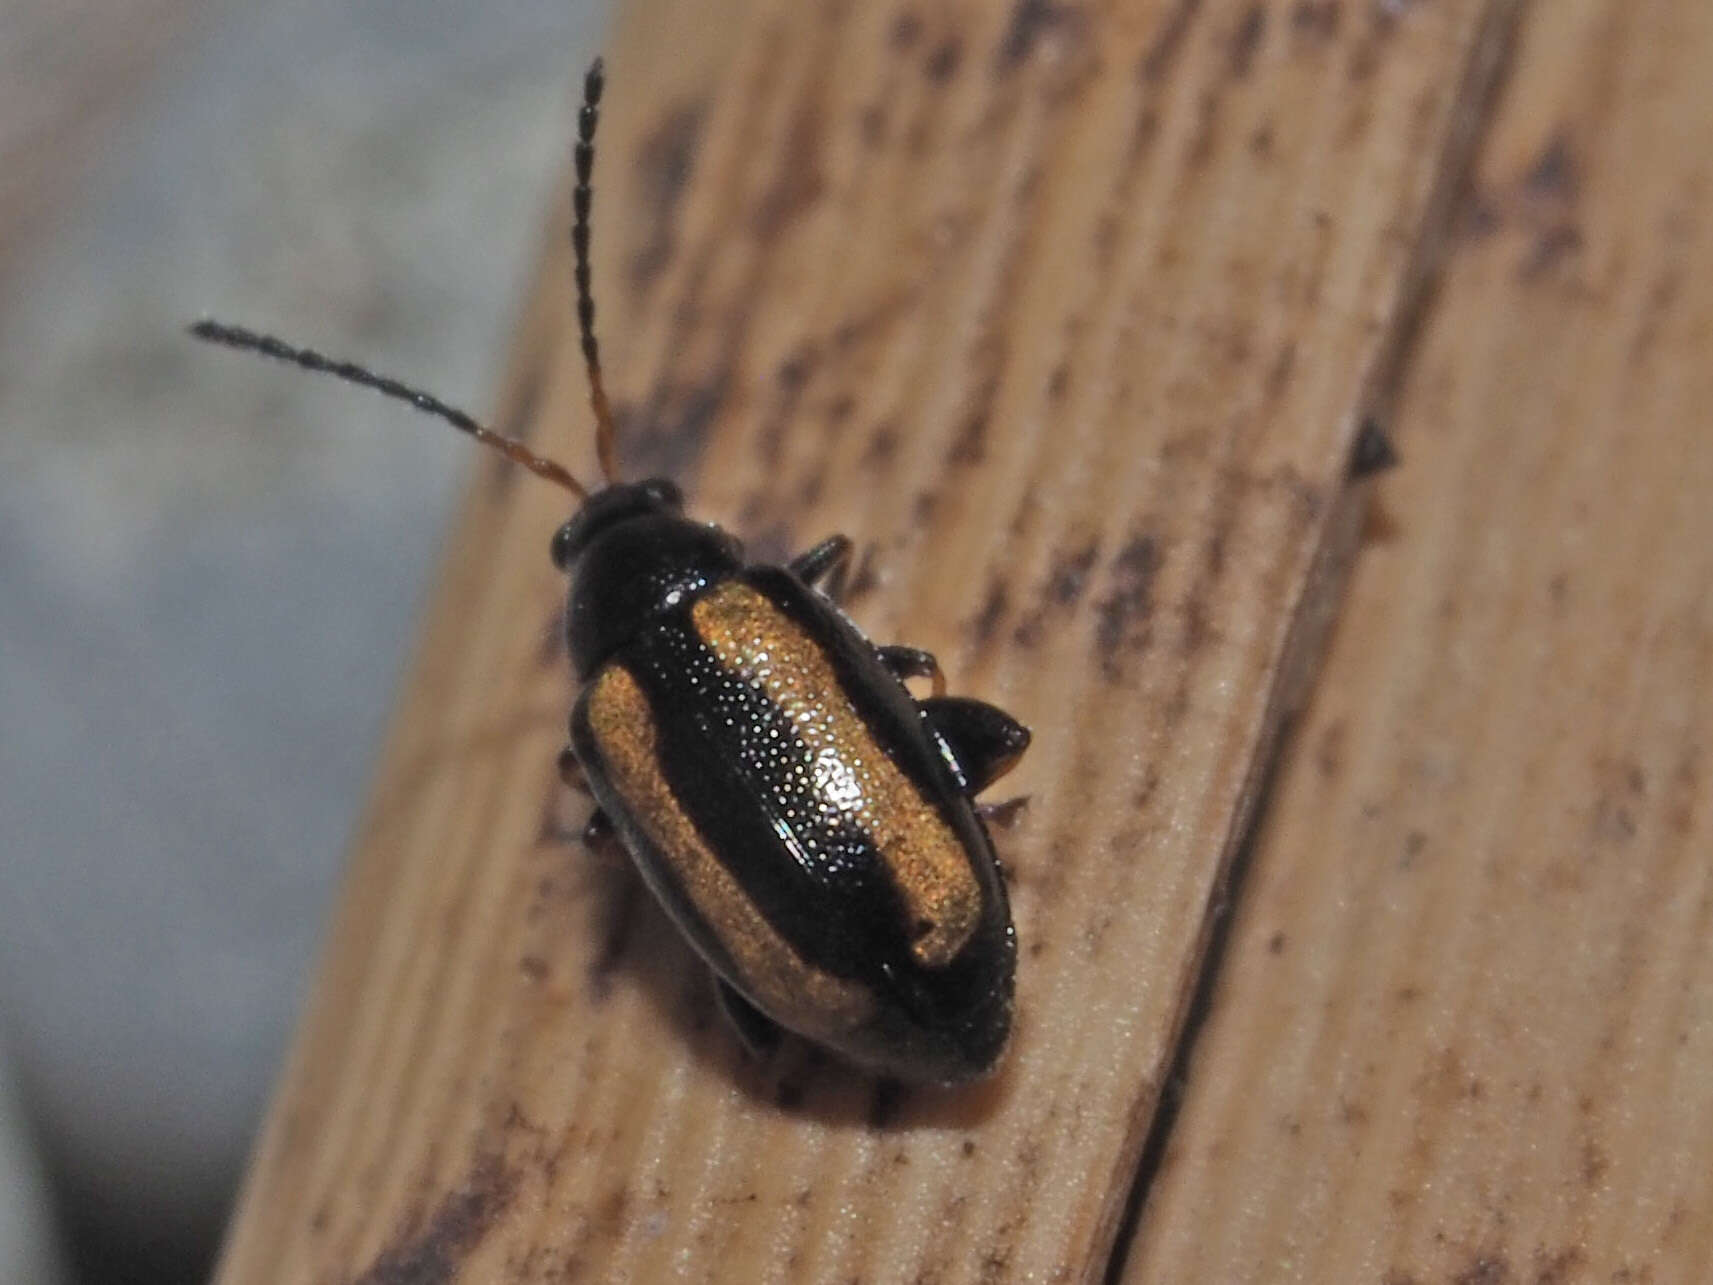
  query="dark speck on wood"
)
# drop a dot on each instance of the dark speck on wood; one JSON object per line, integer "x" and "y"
{"x": 1553, "y": 174}
{"x": 1372, "y": 452}
{"x": 433, "y": 1253}
{"x": 663, "y": 167}
{"x": 943, "y": 62}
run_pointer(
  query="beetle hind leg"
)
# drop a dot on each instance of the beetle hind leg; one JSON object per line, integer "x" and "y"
{"x": 756, "y": 1031}
{"x": 984, "y": 739}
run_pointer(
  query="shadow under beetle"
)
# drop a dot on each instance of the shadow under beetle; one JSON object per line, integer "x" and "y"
{"x": 807, "y": 823}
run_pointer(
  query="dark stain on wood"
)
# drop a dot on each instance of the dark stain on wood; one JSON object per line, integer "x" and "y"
{"x": 1197, "y": 630}
{"x": 1031, "y": 20}
{"x": 1560, "y": 1267}
{"x": 922, "y": 508}
{"x": 797, "y": 183}
{"x": 1553, "y": 176}
{"x": 882, "y": 447}
{"x": 791, "y": 378}
{"x": 871, "y": 125}
{"x": 433, "y": 1253}
{"x": 1485, "y": 1269}
{"x": 1163, "y": 50}
{"x": 985, "y": 624}
{"x": 970, "y": 444}
{"x": 942, "y": 64}
{"x": 669, "y": 432}
{"x": 1200, "y": 150}
{"x": 1553, "y": 246}
{"x": 812, "y": 487}
{"x": 1663, "y": 295}
{"x": 1246, "y": 42}
{"x": 839, "y": 409}
{"x": 1372, "y": 452}
{"x": 1123, "y": 618}
{"x": 1280, "y": 372}
{"x": 1316, "y": 19}
{"x": 1477, "y": 217}
{"x": 1329, "y": 749}
{"x": 906, "y": 30}
{"x": 1065, "y": 581}
{"x": 664, "y": 164}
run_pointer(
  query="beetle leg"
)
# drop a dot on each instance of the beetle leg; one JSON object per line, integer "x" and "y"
{"x": 1003, "y": 815}
{"x": 828, "y": 561}
{"x": 757, "y": 1032}
{"x": 913, "y": 662}
{"x": 598, "y": 829}
{"x": 985, "y": 741}
{"x": 571, "y": 771}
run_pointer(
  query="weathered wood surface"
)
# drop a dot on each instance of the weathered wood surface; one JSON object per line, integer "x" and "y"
{"x": 1070, "y": 317}
{"x": 1464, "y": 1029}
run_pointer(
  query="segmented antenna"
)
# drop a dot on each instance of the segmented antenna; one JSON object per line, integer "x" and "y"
{"x": 582, "y": 198}
{"x": 250, "y": 341}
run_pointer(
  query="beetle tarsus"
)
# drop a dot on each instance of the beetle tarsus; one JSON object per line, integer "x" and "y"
{"x": 757, "y": 1032}
{"x": 597, "y": 830}
{"x": 913, "y": 662}
{"x": 984, "y": 739}
{"x": 1002, "y": 815}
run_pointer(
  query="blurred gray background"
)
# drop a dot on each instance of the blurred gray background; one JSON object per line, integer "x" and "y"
{"x": 210, "y": 565}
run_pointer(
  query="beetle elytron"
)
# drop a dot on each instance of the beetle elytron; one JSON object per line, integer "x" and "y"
{"x": 806, "y": 821}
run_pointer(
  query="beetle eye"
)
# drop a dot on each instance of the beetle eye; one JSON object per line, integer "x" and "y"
{"x": 561, "y": 548}
{"x": 664, "y": 492}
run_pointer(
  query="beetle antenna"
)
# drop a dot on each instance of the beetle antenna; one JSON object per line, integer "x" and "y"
{"x": 250, "y": 341}
{"x": 582, "y": 199}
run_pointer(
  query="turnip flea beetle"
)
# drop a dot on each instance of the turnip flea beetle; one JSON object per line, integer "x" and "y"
{"x": 804, "y": 819}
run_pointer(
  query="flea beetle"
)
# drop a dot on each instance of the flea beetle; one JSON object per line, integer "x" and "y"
{"x": 806, "y": 821}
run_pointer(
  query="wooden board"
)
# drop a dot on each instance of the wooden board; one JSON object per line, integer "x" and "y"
{"x": 1464, "y": 1028}
{"x": 1069, "y": 316}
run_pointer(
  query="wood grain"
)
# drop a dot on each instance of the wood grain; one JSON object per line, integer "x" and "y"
{"x": 1464, "y": 1027}
{"x": 1069, "y": 315}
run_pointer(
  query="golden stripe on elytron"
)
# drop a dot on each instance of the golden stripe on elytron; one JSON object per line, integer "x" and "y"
{"x": 851, "y": 774}
{"x": 779, "y": 979}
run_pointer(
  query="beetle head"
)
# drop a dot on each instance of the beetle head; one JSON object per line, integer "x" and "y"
{"x": 632, "y": 554}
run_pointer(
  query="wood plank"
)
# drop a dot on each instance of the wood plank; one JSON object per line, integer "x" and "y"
{"x": 1069, "y": 316}
{"x": 1464, "y": 1025}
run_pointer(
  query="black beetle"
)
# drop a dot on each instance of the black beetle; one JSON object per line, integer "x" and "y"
{"x": 807, "y": 822}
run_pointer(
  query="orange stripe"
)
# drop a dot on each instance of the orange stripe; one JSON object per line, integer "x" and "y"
{"x": 851, "y": 775}
{"x": 775, "y": 976}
